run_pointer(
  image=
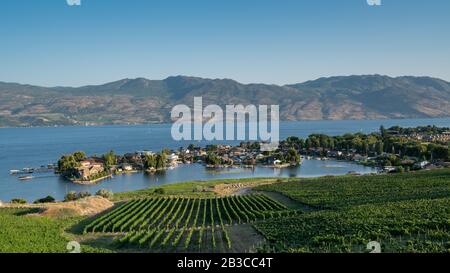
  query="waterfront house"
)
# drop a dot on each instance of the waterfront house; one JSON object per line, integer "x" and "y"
{"x": 89, "y": 168}
{"x": 421, "y": 165}
{"x": 173, "y": 159}
{"x": 127, "y": 167}
{"x": 277, "y": 162}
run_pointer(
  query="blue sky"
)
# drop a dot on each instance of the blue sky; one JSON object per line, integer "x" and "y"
{"x": 271, "y": 41}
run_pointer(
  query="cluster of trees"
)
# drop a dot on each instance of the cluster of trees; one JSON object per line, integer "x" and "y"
{"x": 73, "y": 196}
{"x": 213, "y": 159}
{"x": 68, "y": 164}
{"x": 292, "y": 157}
{"x": 21, "y": 201}
{"x": 427, "y": 130}
{"x": 374, "y": 144}
{"x": 110, "y": 159}
{"x": 155, "y": 162}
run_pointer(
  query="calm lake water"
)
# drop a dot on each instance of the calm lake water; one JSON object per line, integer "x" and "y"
{"x": 33, "y": 147}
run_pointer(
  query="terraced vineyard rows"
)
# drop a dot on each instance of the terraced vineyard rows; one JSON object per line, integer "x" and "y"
{"x": 185, "y": 223}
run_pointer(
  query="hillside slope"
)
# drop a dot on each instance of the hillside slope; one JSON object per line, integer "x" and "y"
{"x": 135, "y": 101}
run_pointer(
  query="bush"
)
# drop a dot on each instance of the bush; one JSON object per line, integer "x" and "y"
{"x": 71, "y": 196}
{"x": 105, "y": 193}
{"x": 48, "y": 199}
{"x": 159, "y": 191}
{"x": 82, "y": 195}
{"x": 18, "y": 201}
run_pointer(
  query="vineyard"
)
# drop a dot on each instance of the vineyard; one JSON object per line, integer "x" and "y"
{"x": 404, "y": 212}
{"x": 185, "y": 224}
{"x": 417, "y": 226}
{"x": 347, "y": 191}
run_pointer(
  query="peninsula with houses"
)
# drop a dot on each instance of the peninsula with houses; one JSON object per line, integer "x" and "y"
{"x": 394, "y": 149}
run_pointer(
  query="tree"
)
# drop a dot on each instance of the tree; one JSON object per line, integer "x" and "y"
{"x": 379, "y": 148}
{"x": 191, "y": 147}
{"x": 161, "y": 161}
{"x": 105, "y": 193}
{"x": 79, "y": 156}
{"x": 293, "y": 157}
{"x": 82, "y": 195}
{"x": 212, "y": 159}
{"x": 166, "y": 151}
{"x": 48, "y": 199}
{"x": 68, "y": 164}
{"x": 160, "y": 191}
{"x": 110, "y": 159}
{"x": 70, "y": 196}
{"x": 150, "y": 162}
{"x": 365, "y": 147}
{"x": 440, "y": 152}
{"x": 18, "y": 201}
{"x": 383, "y": 131}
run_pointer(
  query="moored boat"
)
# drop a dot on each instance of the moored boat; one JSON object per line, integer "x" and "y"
{"x": 28, "y": 177}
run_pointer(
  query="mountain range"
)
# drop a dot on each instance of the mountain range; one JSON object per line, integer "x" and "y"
{"x": 141, "y": 101}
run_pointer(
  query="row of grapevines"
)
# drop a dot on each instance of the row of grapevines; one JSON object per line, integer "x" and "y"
{"x": 144, "y": 216}
{"x": 200, "y": 237}
{"x": 158, "y": 211}
{"x": 211, "y": 212}
{"x": 110, "y": 222}
{"x": 121, "y": 223}
{"x": 102, "y": 220}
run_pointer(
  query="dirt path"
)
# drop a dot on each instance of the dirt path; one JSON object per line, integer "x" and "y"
{"x": 228, "y": 189}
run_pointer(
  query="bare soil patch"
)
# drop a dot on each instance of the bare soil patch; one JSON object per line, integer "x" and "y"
{"x": 228, "y": 189}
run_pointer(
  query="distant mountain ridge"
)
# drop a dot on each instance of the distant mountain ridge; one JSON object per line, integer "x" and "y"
{"x": 139, "y": 101}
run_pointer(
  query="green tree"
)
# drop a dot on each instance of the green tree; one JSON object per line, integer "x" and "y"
{"x": 440, "y": 152}
{"x": 161, "y": 161}
{"x": 293, "y": 157}
{"x": 48, "y": 199}
{"x": 105, "y": 193}
{"x": 212, "y": 159}
{"x": 379, "y": 147}
{"x": 68, "y": 164}
{"x": 79, "y": 156}
{"x": 150, "y": 162}
{"x": 71, "y": 196}
{"x": 110, "y": 159}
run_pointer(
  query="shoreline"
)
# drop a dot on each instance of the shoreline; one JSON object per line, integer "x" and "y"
{"x": 169, "y": 123}
{"x": 91, "y": 182}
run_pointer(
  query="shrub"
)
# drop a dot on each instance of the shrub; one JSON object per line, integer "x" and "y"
{"x": 82, "y": 195}
{"x": 159, "y": 191}
{"x": 105, "y": 193}
{"x": 48, "y": 199}
{"x": 71, "y": 196}
{"x": 18, "y": 201}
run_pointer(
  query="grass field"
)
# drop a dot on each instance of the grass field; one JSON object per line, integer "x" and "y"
{"x": 203, "y": 189}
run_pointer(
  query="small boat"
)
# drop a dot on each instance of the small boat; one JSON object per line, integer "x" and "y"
{"x": 13, "y": 172}
{"x": 26, "y": 177}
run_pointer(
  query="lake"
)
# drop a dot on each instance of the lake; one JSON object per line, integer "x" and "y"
{"x": 33, "y": 147}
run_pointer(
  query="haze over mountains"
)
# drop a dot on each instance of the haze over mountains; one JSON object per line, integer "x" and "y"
{"x": 138, "y": 101}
